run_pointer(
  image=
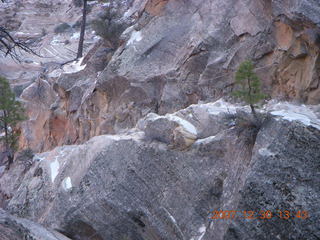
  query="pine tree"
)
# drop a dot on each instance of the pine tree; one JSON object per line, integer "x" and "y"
{"x": 11, "y": 113}
{"x": 250, "y": 84}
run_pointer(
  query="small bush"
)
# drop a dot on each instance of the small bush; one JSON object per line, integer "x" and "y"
{"x": 100, "y": 27}
{"x": 18, "y": 89}
{"x": 61, "y": 28}
{"x": 77, "y": 3}
{"x": 26, "y": 157}
{"x": 43, "y": 32}
{"x": 246, "y": 125}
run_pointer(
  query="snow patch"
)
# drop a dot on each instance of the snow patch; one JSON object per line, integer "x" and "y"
{"x": 220, "y": 106}
{"x": 36, "y": 63}
{"x": 284, "y": 110}
{"x": 54, "y": 166}
{"x": 205, "y": 140}
{"x": 265, "y": 152}
{"x": 291, "y": 112}
{"x": 92, "y": 3}
{"x": 106, "y": 4}
{"x": 202, "y": 231}
{"x": 74, "y": 66}
{"x": 67, "y": 184}
{"x": 38, "y": 158}
{"x": 75, "y": 35}
{"x": 128, "y": 13}
{"x": 56, "y": 41}
{"x": 187, "y": 126}
{"x": 20, "y": 33}
{"x": 172, "y": 218}
{"x": 136, "y": 36}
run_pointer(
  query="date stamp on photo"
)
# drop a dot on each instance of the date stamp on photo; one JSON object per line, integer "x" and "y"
{"x": 260, "y": 215}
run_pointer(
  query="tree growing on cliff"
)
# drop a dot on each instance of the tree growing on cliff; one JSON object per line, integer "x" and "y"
{"x": 250, "y": 85}
{"x": 11, "y": 113}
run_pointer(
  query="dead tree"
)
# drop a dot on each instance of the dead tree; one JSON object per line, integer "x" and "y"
{"x": 83, "y": 29}
{"x": 11, "y": 46}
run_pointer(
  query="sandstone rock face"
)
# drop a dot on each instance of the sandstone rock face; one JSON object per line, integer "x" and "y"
{"x": 146, "y": 186}
{"x": 13, "y": 228}
{"x": 151, "y": 79}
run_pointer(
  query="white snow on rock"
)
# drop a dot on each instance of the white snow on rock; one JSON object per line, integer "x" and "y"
{"x": 106, "y": 4}
{"x": 202, "y": 231}
{"x": 205, "y": 140}
{"x": 265, "y": 152}
{"x": 54, "y": 166}
{"x": 38, "y": 157}
{"x": 220, "y": 106}
{"x": 187, "y": 126}
{"x": 136, "y": 36}
{"x": 74, "y": 66}
{"x": 67, "y": 184}
{"x": 284, "y": 110}
{"x": 92, "y": 2}
{"x": 292, "y": 112}
{"x": 75, "y": 35}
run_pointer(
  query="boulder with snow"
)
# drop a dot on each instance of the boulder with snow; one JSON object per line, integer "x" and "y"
{"x": 127, "y": 187}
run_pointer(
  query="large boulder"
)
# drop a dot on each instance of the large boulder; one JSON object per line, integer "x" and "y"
{"x": 138, "y": 186}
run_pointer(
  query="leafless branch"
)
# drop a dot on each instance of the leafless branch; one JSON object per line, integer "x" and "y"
{"x": 10, "y": 45}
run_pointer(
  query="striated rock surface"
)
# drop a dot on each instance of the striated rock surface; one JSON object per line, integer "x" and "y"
{"x": 151, "y": 80}
{"x": 146, "y": 186}
{"x": 156, "y": 56}
{"x": 162, "y": 56}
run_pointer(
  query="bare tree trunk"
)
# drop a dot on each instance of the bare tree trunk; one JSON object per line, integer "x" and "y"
{"x": 10, "y": 157}
{"x": 83, "y": 29}
{"x": 253, "y": 111}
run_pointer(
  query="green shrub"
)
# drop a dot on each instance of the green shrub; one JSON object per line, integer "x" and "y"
{"x": 250, "y": 85}
{"x": 11, "y": 113}
{"x": 61, "y": 28}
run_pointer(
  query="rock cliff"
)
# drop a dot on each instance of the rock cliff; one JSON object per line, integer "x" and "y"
{"x": 160, "y": 56}
{"x": 164, "y": 184}
{"x": 152, "y": 79}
